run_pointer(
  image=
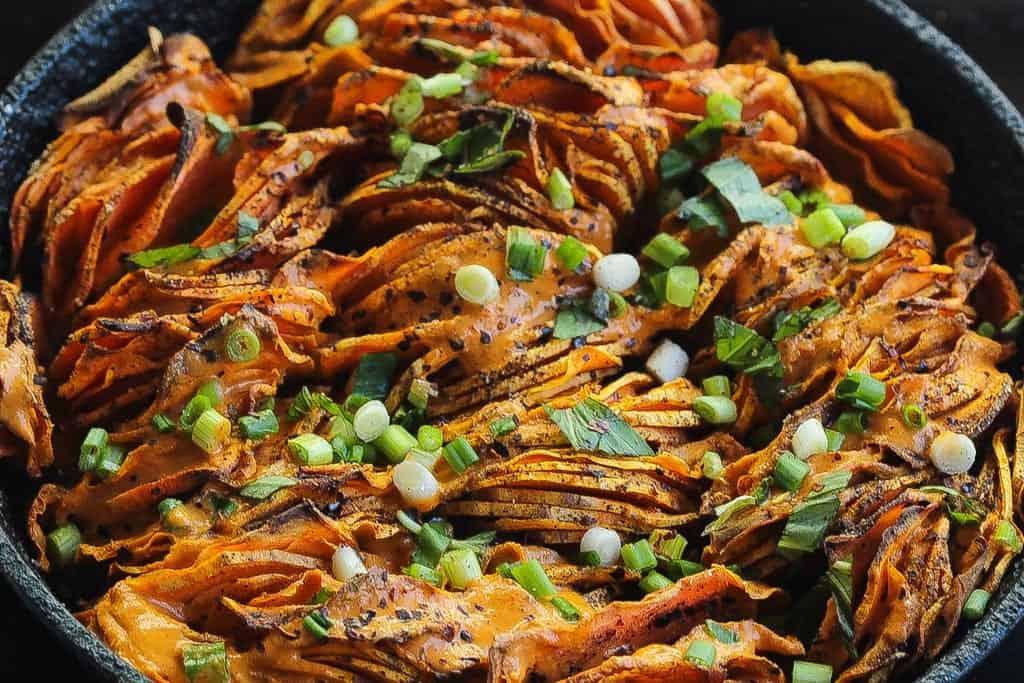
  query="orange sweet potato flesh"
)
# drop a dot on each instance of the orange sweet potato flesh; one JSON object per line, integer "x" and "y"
{"x": 276, "y": 255}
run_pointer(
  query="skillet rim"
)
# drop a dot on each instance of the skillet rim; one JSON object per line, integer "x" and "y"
{"x": 19, "y": 571}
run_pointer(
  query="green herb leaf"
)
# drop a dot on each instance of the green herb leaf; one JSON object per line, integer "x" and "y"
{"x": 805, "y": 529}
{"x": 373, "y": 374}
{"x": 264, "y": 127}
{"x": 491, "y": 162}
{"x": 164, "y": 256}
{"x": 963, "y": 511}
{"x": 225, "y": 133}
{"x": 702, "y": 213}
{"x": 264, "y": 487}
{"x": 738, "y": 185}
{"x": 743, "y": 349}
{"x": 576, "y": 321}
{"x": 248, "y": 225}
{"x": 720, "y": 633}
{"x": 414, "y": 164}
{"x": 840, "y": 581}
{"x": 788, "y": 324}
{"x": 592, "y": 426}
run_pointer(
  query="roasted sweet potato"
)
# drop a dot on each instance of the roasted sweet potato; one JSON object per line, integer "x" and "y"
{"x": 538, "y": 341}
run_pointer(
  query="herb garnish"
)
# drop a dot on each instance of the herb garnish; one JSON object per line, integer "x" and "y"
{"x": 789, "y": 323}
{"x": 592, "y": 426}
{"x": 479, "y": 149}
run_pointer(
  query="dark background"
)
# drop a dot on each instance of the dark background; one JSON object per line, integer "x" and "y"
{"x": 992, "y": 31}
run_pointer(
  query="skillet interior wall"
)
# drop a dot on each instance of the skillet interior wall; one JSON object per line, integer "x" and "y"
{"x": 945, "y": 98}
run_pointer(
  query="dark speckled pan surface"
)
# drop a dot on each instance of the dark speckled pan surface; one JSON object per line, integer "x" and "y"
{"x": 950, "y": 97}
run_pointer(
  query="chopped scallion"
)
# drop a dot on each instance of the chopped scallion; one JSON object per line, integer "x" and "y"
{"x": 1007, "y": 534}
{"x": 666, "y": 250}
{"x": 822, "y": 228}
{"x": 566, "y": 609}
{"x": 571, "y": 253}
{"x": 790, "y": 471}
{"x": 862, "y": 391}
{"x": 395, "y": 442}
{"x": 110, "y": 462}
{"x": 560, "y": 191}
{"x": 341, "y": 31}
{"x": 196, "y": 406}
{"x": 716, "y": 385}
{"x": 702, "y": 653}
{"x": 461, "y": 567}
{"x": 977, "y": 603}
{"x": 311, "y": 449}
{"x": 242, "y": 345}
{"x": 430, "y": 438}
{"x": 211, "y": 431}
{"x": 317, "y": 624}
{"x": 503, "y": 426}
{"x": 715, "y": 410}
{"x": 441, "y": 85}
{"x": 424, "y": 573}
{"x": 654, "y": 582}
{"x": 459, "y": 455}
{"x": 681, "y": 286}
{"x": 163, "y": 424}
{"x": 531, "y": 576}
{"x": 93, "y": 446}
{"x": 476, "y": 284}
{"x": 811, "y": 672}
{"x": 914, "y": 416}
{"x": 62, "y": 544}
{"x": 524, "y": 256}
{"x": 868, "y": 239}
{"x": 639, "y": 556}
{"x": 258, "y": 425}
{"x": 420, "y": 393}
{"x": 852, "y": 422}
{"x": 213, "y": 390}
{"x": 407, "y": 104}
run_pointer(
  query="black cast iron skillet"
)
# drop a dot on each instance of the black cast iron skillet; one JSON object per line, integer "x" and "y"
{"x": 949, "y": 95}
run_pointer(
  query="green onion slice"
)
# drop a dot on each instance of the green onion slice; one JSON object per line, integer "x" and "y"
{"x": 459, "y": 455}
{"x": 266, "y": 486}
{"x": 790, "y": 472}
{"x": 566, "y": 609}
{"x": 242, "y": 345}
{"x": 914, "y": 416}
{"x": 461, "y": 567}
{"x": 62, "y": 544}
{"x": 811, "y": 672}
{"x": 395, "y": 442}
{"x": 639, "y": 556}
{"x": 92, "y": 448}
{"x": 571, "y": 253}
{"x": 531, "y": 575}
{"x": 211, "y": 431}
{"x": 702, "y": 653}
{"x": 977, "y": 603}
{"x": 560, "y": 191}
{"x": 341, "y": 31}
{"x": 163, "y": 424}
{"x": 654, "y": 582}
{"x": 206, "y": 662}
{"x": 862, "y": 391}
{"x": 258, "y": 425}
